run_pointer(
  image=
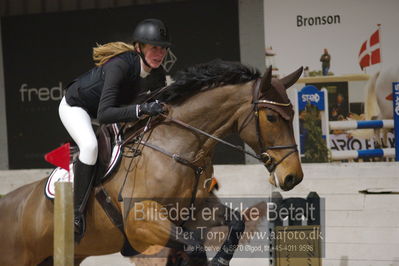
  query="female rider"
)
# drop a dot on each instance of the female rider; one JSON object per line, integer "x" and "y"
{"x": 106, "y": 92}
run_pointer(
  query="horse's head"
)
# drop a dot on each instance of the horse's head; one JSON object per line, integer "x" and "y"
{"x": 267, "y": 128}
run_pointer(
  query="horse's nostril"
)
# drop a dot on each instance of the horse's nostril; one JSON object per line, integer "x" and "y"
{"x": 289, "y": 181}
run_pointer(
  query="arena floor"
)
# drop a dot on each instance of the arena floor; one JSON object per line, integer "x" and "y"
{"x": 360, "y": 229}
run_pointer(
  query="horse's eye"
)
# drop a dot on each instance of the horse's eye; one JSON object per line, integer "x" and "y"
{"x": 272, "y": 118}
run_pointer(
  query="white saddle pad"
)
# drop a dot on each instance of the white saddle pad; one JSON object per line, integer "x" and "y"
{"x": 60, "y": 174}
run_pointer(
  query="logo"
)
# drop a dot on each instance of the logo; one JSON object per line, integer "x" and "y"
{"x": 311, "y": 98}
{"x": 42, "y": 94}
{"x": 169, "y": 61}
{"x": 310, "y": 94}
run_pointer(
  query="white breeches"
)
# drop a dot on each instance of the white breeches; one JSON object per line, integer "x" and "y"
{"x": 78, "y": 124}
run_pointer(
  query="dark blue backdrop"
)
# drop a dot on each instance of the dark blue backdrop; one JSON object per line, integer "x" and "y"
{"x": 44, "y": 52}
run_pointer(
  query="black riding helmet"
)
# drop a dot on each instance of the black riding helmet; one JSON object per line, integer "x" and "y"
{"x": 152, "y": 31}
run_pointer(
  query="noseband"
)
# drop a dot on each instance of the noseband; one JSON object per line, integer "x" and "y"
{"x": 265, "y": 157}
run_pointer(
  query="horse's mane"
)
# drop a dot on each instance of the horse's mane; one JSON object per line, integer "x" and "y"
{"x": 206, "y": 76}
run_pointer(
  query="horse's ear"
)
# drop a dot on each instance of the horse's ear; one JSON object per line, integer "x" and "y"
{"x": 290, "y": 80}
{"x": 266, "y": 81}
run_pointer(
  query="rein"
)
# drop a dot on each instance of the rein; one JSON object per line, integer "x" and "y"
{"x": 269, "y": 162}
{"x": 199, "y": 131}
{"x": 137, "y": 138}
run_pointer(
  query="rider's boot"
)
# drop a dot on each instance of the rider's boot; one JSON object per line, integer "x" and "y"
{"x": 83, "y": 182}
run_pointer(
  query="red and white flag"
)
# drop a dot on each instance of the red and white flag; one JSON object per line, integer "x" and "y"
{"x": 370, "y": 51}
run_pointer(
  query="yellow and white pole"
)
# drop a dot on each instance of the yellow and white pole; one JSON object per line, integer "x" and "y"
{"x": 63, "y": 224}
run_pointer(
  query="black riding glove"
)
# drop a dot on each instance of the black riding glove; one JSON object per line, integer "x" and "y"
{"x": 151, "y": 109}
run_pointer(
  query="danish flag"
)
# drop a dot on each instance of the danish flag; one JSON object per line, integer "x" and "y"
{"x": 370, "y": 51}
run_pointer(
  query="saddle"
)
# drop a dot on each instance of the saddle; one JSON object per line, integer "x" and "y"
{"x": 109, "y": 139}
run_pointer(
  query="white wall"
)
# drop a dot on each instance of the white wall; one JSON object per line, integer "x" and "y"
{"x": 356, "y": 91}
{"x": 297, "y": 46}
{"x": 361, "y": 230}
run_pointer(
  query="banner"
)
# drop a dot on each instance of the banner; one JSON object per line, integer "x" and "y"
{"x": 344, "y": 142}
{"x": 43, "y": 52}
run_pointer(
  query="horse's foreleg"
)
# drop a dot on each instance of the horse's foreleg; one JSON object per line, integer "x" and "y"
{"x": 179, "y": 257}
{"x": 146, "y": 226}
{"x": 236, "y": 226}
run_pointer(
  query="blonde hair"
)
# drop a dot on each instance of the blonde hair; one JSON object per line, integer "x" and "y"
{"x": 102, "y": 53}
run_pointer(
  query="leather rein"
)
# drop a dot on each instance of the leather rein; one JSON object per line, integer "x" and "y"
{"x": 270, "y": 163}
{"x": 258, "y": 104}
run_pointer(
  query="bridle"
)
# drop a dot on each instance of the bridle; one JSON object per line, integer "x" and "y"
{"x": 258, "y": 104}
{"x": 265, "y": 157}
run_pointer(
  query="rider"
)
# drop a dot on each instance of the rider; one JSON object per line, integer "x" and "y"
{"x": 106, "y": 92}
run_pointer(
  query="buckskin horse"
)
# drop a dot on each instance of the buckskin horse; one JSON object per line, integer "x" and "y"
{"x": 207, "y": 102}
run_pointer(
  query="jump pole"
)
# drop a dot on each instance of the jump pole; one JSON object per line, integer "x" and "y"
{"x": 63, "y": 224}
{"x": 362, "y": 124}
{"x": 347, "y": 125}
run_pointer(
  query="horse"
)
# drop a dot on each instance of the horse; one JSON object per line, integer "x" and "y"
{"x": 379, "y": 99}
{"x": 379, "y": 93}
{"x": 207, "y": 102}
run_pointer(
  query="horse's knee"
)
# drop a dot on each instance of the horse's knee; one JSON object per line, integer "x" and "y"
{"x": 145, "y": 225}
{"x": 237, "y": 222}
{"x": 182, "y": 258}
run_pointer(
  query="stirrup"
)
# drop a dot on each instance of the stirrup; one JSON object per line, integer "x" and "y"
{"x": 79, "y": 222}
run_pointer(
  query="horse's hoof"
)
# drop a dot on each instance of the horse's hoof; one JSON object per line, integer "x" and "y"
{"x": 219, "y": 262}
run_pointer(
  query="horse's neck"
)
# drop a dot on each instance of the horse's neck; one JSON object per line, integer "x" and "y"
{"x": 213, "y": 111}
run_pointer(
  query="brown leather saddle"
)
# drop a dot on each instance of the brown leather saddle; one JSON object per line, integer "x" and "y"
{"x": 110, "y": 137}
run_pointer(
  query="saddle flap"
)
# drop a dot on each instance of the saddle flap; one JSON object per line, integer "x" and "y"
{"x": 104, "y": 144}
{"x": 109, "y": 155}
{"x": 109, "y": 149}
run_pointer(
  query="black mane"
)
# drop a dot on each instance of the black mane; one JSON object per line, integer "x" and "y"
{"x": 207, "y": 76}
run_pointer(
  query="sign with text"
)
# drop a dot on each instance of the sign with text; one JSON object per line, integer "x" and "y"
{"x": 310, "y": 94}
{"x": 344, "y": 142}
{"x": 44, "y": 52}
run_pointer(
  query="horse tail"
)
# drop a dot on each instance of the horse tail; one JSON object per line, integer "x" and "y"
{"x": 371, "y": 107}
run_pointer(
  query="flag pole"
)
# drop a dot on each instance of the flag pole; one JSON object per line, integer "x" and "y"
{"x": 380, "y": 37}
